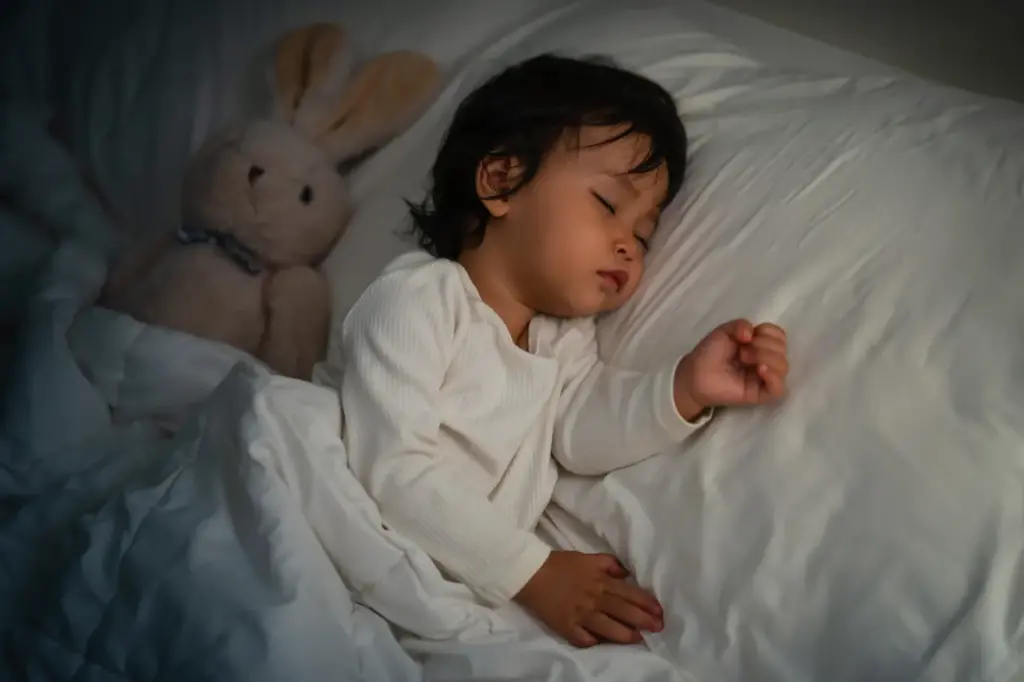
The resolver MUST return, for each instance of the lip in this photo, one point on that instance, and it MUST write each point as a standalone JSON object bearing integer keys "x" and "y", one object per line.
{"x": 617, "y": 278}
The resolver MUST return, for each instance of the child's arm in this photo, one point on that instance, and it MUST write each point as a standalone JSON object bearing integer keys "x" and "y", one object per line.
{"x": 398, "y": 340}
{"x": 610, "y": 417}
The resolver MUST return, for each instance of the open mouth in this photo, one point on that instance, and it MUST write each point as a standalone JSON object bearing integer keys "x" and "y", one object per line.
{"x": 617, "y": 279}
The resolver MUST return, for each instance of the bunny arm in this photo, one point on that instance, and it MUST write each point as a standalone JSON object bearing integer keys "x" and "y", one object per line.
{"x": 297, "y": 308}
{"x": 196, "y": 290}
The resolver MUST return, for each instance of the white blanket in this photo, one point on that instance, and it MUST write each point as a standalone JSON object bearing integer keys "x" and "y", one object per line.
{"x": 241, "y": 548}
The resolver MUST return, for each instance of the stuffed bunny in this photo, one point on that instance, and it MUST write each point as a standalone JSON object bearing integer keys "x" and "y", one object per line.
{"x": 263, "y": 204}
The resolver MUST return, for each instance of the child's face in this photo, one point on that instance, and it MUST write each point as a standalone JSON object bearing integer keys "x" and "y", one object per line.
{"x": 577, "y": 233}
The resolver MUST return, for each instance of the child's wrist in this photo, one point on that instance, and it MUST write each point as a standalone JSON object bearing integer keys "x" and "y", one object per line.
{"x": 689, "y": 407}
{"x": 534, "y": 586}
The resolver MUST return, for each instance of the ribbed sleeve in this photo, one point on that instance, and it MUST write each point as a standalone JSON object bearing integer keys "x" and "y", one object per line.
{"x": 610, "y": 417}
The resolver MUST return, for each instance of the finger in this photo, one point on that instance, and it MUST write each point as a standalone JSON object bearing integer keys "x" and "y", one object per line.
{"x": 772, "y": 330}
{"x": 771, "y": 343}
{"x": 751, "y": 356}
{"x": 629, "y": 614}
{"x": 755, "y": 357}
{"x": 581, "y": 638}
{"x": 754, "y": 390}
{"x": 609, "y": 629}
{"x": 774, "y": 385}
{"x": 636, "y": 596}
{"x": 612, "y": 566}
{"x": 740, "y": 331}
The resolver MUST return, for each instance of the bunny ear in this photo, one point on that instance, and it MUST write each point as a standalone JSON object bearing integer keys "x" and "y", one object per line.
{"x": 384, "y": 97}
{"x": 311, "y": 66}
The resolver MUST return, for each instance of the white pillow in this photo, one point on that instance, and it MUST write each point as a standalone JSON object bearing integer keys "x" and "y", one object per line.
{"x": 870, "y": 527}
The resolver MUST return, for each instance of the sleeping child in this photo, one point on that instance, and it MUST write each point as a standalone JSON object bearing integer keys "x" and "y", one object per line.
{"x": 471, "y": 365}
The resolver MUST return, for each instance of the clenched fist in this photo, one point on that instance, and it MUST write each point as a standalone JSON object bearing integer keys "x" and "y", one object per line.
{"x": 736, "y": 364}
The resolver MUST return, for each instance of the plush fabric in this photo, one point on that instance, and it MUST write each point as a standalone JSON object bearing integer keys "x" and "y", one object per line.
{"x": 263, "y": 202}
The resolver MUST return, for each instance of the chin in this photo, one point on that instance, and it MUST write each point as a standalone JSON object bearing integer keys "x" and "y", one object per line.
{"x": 586, "y": 306}
{"x": 568, "y": 310}
{"x": 609, "y": 308}
{"x": 612, "y": 303}
{"x": 603, "y": 307}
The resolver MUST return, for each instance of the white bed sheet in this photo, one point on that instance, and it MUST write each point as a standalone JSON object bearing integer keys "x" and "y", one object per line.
{"x": 900, "y": 436}
{"x": 871, "y": 527}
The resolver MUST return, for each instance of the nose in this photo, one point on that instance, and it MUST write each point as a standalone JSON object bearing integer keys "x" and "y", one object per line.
{"x": 626, "y": 248}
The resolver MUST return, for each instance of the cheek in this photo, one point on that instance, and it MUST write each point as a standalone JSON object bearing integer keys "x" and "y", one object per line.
{"x": 581, "y": 250}
{"x": 570, "y": 236}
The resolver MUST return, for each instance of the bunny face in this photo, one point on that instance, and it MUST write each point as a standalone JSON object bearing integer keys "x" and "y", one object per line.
{"x": 272, "y": 188}
{"x": 274, "y": 185}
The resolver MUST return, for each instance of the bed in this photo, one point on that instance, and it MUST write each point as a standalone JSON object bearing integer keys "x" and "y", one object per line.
{"x": 170, "y": 510}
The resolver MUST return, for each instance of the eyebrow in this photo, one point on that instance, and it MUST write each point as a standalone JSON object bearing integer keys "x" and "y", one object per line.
{"x": 623, "y": 182}
{"x": 654, "y": 214}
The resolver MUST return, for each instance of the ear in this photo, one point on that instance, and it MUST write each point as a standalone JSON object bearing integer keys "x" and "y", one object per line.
{"x": 384, "y": 97}
{"x": 312, "y": 65}
{"x": 495, "y": 177}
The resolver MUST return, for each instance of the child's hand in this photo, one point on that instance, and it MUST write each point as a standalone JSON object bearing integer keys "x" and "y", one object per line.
{"x": 585, "y": 599}
{"x": 736, "y": 364}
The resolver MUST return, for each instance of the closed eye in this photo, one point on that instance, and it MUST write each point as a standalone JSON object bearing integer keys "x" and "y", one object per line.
{"x": 604, "y": 202}
{"x": 644, "y": 243}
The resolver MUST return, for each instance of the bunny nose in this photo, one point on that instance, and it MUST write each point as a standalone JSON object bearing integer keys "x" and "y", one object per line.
{"x": 307, "y": 194}
{"x": 254, "y": 173}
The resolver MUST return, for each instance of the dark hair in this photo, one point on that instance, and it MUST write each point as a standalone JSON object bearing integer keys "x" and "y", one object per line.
{"x": 522, "y": 113}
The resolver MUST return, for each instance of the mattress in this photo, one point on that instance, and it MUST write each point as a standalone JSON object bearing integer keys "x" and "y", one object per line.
{"x": 869, "y": 527}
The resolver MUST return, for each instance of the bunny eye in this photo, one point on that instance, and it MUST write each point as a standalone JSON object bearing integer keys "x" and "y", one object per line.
{"x": 306, "y": 196}
{"x": 254, "y": 173}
